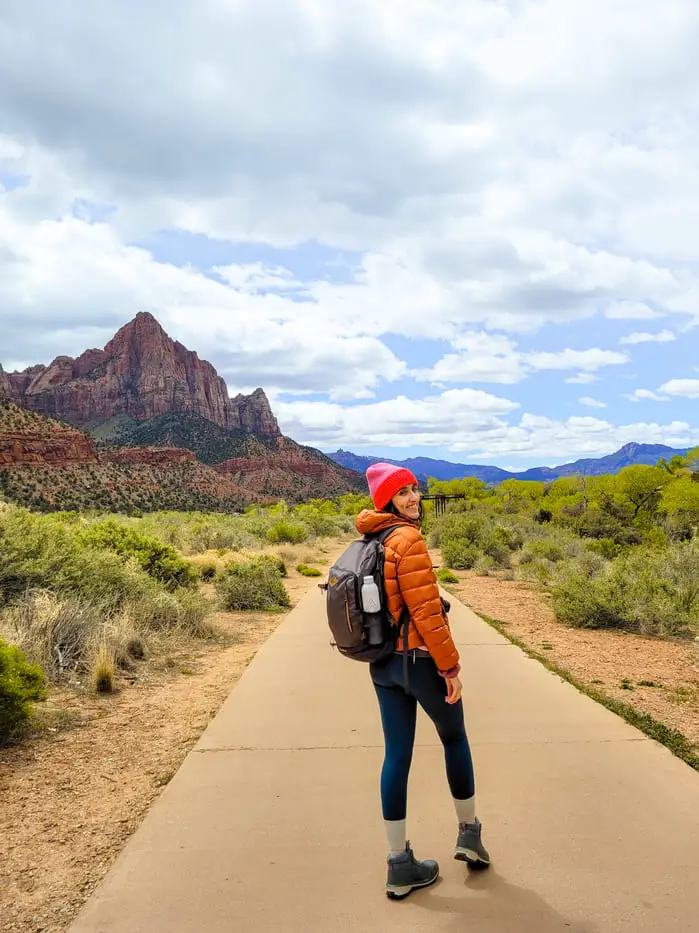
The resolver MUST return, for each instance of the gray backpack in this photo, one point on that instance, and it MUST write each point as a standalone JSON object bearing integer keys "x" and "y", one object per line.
{"x": 361, "y": 625}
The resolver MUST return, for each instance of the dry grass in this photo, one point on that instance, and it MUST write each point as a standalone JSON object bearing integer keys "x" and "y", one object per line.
{"x": 103, "y": 670}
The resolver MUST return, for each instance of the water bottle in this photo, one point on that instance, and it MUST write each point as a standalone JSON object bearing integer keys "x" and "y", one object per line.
{"x": 371, "y": 604}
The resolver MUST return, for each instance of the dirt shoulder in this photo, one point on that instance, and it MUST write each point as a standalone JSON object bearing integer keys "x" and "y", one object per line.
{"x": 75, "y": 791}
{"x": 654, "y": 676}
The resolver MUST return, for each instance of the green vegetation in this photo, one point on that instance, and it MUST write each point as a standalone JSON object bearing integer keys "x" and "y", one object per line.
{"x": 614, "y": 551}
{"x": 159, "y": 560}
{"x": 210, "y": 442}
{"x": 251, "y": 584}
{"x": 121, "y": 488}
{"x": 307, "y": 571}
{"x": 198, "y": 532}
{"x": 20, "y": 684}
{"x": 69, "y": 585}
{"x": 446, "y": 576}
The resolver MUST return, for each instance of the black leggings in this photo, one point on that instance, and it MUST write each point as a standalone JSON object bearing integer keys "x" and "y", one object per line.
{"x": 399, "y": 714}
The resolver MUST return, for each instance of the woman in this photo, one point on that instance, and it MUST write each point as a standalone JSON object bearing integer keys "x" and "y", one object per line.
{"x": 433, "y": 681}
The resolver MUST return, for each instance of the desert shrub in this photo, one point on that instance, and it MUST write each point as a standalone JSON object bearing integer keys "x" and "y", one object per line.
{"x": 485, "y": 564}
{"x": 307, "y": 571}
{"x": 160, "y": 561}
{"x": 207, "y": 570}
{"x": 288, "y": 532}
{"x": 647, "y": 590}
{"x": 458, "y": 527}
{"x": 497, "y": 552}
{"x": 444, "y": 575}
{"x": 459, "y": 554}
{"x": 21, "y": 683}
{"x": 535, "y": 569}
{"x": 273, "y": 560}
{"x": 595, "y": 523}
{"x": 321, "y": 521}
{"x": 542, "y": 548}
{"x": 251, "y": 585}
{"x": 605, "y": 547}
{"x": 55, "y": 631}
{"x": 192, "y": 614}
{"x": 41, "y": 552}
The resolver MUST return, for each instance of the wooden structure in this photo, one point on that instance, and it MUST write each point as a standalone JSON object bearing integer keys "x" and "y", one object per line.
{"x": 440, "y": 501}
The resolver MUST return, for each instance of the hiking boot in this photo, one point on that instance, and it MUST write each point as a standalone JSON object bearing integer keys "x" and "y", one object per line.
{"x": 405, "y": 872}
{"x": 469, "y": 847}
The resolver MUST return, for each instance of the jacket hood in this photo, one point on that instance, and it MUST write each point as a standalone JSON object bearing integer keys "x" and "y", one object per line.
{"x": 369, "y": 521}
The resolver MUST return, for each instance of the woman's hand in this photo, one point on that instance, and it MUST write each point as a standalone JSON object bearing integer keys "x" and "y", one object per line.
{"x": 453, "y": 689}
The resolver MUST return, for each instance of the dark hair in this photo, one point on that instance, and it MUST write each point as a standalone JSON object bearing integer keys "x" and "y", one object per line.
{"x": 391, "y": 509}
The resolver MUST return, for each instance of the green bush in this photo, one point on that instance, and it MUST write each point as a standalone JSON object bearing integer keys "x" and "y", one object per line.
{"x": 287, "y": 532}
{"x": 444, "y": 575}
{"x": 21, "y": 683}
{"x": 207, "y": 570}
{"x": 459, "y": 554}
{"x": 605, "y": 547}
{"x": 544, "y": 549}
{"x": 647, "y": 590}
{"x": 251, "y": 585}
{"x": 160, "y": 561}
{"x": 307, "y": 571}
{"x": 274, "y": 561}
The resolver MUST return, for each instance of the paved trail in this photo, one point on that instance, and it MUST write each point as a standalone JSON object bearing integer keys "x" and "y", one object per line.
{"x": 273, "y": 821}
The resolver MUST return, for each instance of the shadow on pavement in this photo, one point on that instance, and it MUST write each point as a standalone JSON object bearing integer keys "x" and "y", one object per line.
{"x": 496, "y": 906}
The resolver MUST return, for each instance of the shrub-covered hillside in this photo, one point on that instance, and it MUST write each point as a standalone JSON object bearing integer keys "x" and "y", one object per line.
{"x": 614, "y": 551}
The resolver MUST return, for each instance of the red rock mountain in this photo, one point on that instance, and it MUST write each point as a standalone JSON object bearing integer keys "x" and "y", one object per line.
{"x": 141, "y": 373}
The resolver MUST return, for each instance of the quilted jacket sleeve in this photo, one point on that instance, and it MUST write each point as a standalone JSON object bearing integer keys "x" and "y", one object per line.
{"x": 418, "y": 587}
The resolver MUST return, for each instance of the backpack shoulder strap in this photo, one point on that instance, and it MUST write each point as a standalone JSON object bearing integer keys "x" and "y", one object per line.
{"x": 404, "y": 620}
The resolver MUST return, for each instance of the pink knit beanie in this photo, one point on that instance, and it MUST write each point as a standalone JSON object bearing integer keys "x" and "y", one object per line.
{"x": 385, "y": 480}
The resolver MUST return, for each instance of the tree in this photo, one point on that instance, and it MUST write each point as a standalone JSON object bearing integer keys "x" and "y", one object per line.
{"x": 640, "y": 487}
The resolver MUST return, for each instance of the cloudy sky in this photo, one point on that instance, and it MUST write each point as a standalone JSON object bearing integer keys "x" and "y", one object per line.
{"x": 464, "y": 230}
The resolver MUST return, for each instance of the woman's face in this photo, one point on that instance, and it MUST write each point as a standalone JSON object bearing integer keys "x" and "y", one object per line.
{"x": 407, "y": 501}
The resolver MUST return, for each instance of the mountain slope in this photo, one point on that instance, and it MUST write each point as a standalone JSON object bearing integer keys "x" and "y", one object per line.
{"x": 141, "y": 373}
{"x": 424, "y": 467}
{"x": 210, "y": 442}
{"x": 46, "y": 465}
{"x": 145, "y": 389}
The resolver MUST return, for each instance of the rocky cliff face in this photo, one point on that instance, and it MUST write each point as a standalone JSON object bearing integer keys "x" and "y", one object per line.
{"x": 152, "y": 456}
{"x": 141, "y": 373}
{"x": 61, "y": 449}
{"x": 28, "y": 439}
{"x": 293, "y": 472}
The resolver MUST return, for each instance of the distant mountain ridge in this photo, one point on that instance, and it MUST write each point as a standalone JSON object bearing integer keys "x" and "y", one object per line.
{"x": 631, "y": 454}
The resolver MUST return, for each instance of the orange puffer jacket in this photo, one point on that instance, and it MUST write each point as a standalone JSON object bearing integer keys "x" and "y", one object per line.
{"x": 410, "y": 581}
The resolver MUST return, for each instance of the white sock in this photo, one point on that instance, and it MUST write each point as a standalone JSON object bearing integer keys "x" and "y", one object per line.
{"x": 465, "y": 809}
{"x": 396, "y": 835}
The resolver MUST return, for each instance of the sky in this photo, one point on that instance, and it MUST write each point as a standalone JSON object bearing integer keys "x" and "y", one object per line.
{"x": 458, "y": 230}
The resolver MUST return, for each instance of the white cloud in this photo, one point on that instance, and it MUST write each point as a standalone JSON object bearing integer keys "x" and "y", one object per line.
{"x": 663, "y": 336}
{"x": 494, "y": 165}
{"x": 472, "y": 427}
{"x": 646, "y": 395}
{"x": 591, "y": 402}
{"x": 586, "y": 360}
{"x": 683, "y": 388}
{"x": 632, "y": 310}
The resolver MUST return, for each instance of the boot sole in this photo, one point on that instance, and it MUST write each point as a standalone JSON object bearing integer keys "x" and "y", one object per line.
{"x": 473, "y": 859}
{"x": 397, "y": 892}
